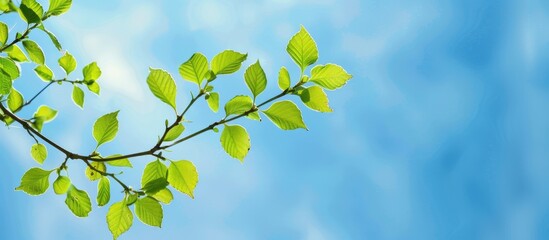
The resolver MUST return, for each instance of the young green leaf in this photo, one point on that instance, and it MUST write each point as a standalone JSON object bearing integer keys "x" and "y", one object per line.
{"x": 182, "y": 175}
{"x": 227, "y": 62}
{"x": 255, "y": 79}
{"x": 61, "y": 185}
{"x": 67, "y": 62}
{"x": 195, "y": 69}
{"x": 105, "y": 128}
{"x": 52, "y": 36}
{"x": 3, "y": 33}
{"x": 285, "y": 115}
{"x": 5, "y": 83}
{"x": 44, "y": 73}
{"x": 45, "y": 114}
{"x": 15, "y": 100}
{"x": 174, "y": 133}
{"x": 39, "y": 152}
{"x": 94, "y": 175}
{"x": 154, "y": 170}
{"x": 213, "y": 101}
{"x": 15, "y": 53}
{"x": 329, "y": 76}
{"x": 154, "y": 186}
{"x": 315, "y": 98}
{"x": 9, "y": 68}
{"x": 91, "y": 72}
{"x": 31, "y": 11}
{"x": 165, "y": 196}
{"x": 119, "y": 218}
{"x": 302, "y": 48}
{"x": 283, "y": 79}
{"x": 35, "y": 52}
{"x": 103, "y": 191}
{"x": 78, "y": 201}
{"x": 58, "y": 7}
{"x": 131, "y": 198}
{"x": 162, "y": 86}
{"x": 235, "y": 141}
{"x": 35, "y": 181}
{"x": 238, "y": 105}
{"x": 94, "y": 88}
{"x": 78, "y": 96}
{"x": 124, "y": 162}
{"x": 149, "y": 211}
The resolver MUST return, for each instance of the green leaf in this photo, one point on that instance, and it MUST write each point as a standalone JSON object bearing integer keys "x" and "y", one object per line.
{"x": 67, "y": 62}
{"x": 182, "y": 175}
{"x": 52, "y": 36}
{"x": 285, "y": 115}
{"x": 5, "y": 83}
{"x": 15, "y": 53}
{"x": 61, "y": 185}
{"x": 105, "y": 128}
{"x": 35, "y": 181}
{"x": 131, "y": 198}
{"x": 119, "y": 218}
{"x": 149, "y": 211}
{"x": 315, "y": 98}
{"x": 255, "y": 79}
{"x": 35, "y": 52}
{"x": 39, "y": 152}
{"x": 45, "y": 114}
{"x": 195, "y": 69}
{"x": 154, "y": 170}
{"x": 154, "y": 186}
{"x": 302, "y": 48}
{"x": 213, "y": 101}
{"x": 329, "y": 76}
{"x": 103, "y": 191}
{"x": 235, "y": 141}
{"x": 283, "y": 79}
{"x": 162, "y": 86}
{"x": 174, "y": 133}
{"x": 10, "y": 68}
{"x": 124, "y": 162}
{"x": 165, "y": 196}
{"x": 94, "y": 175}
{"x": 227, "y": 62}
{"x": 78, "y": 202}
{"x": 91, "y": 72}
{"x": 31, "y": 11}
{"x": 78, "y": 96}
{"x": 44, "y": 73}
{"x": 3, "y": 33}
{"x": 15, "y": 100}
{"x": 94, "y": 88}
{"x": 238, "y": 105}
{"x": 58, "y": 7}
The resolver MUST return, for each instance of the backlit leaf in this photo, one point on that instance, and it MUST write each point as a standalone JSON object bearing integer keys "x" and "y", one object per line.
{"x": 103, "y": 191}
{"x": 39, "y": 152}
{"x": 302, "y": 48}
{"x": 194, "y": 69}
{"x": 329, "y": 76}
{"x": 61, "y": 185}
{"x": 67, "y": 62}
{"x": 35, "y": 181}
{"x": 315, "y": 98}
{"x": 78, "y": 201}
{"x": 105, "y": 128}
{"x": 149, "y": 211}
{"x": 119, "y": 218}
{"x": 235, "y": 141}
{"x": 283, "y": 79}
{"x": 285, "y": 115}
{"x": 162, "y": 86}
{"x": 227, "y": 62}
{"x": 78, "y": 96}
{"x": 35, "y": 52}
{"x": 182, "y": 175}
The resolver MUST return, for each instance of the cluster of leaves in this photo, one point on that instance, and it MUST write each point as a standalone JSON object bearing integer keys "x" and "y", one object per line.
{"x": 163, "y": 173}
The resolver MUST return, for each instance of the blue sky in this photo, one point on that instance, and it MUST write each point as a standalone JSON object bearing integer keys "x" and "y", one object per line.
{"x": 441, "y": 134}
